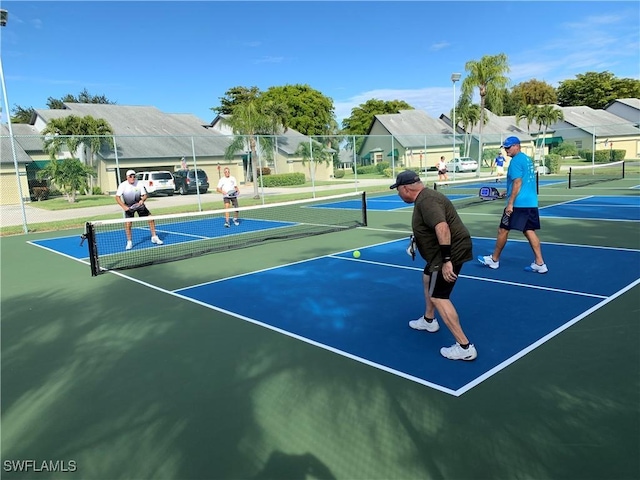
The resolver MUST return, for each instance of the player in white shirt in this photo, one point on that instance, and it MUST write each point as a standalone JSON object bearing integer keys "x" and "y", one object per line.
{"x": 228, "y": 187}
{"x": 131, "y": 197}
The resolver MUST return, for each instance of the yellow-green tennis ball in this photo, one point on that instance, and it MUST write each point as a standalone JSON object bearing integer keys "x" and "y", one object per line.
{"x": 356, "y": 254}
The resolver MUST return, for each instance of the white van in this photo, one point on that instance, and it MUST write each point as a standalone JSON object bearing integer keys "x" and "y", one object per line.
{"x": 157, "y": 182}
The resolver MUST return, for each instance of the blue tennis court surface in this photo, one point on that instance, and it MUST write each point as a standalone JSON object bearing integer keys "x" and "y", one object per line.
{"x": 179, "y": 232}
{"x": 361, "y": 308}
{"x": 621, "y": 208}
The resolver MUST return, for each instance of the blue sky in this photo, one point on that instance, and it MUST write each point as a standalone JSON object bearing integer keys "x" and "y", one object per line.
{"x": 181, "y": 57}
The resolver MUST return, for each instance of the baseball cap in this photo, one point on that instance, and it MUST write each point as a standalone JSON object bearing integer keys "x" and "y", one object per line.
{"x": 509, "y": 141}
{"x": 405, "y": 178}
{"x": 131, "y": 172}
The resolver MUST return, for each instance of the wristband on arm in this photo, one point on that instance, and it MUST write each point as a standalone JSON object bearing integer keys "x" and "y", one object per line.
{"x": 445, "y": 251}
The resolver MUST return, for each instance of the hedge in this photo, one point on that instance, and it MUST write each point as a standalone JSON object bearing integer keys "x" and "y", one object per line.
{"x": 283, "y": 180}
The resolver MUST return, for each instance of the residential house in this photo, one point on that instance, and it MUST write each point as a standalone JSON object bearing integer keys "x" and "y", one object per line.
{"x": 627, "y": 108}
{"x": 595, "y": 129}
{"x": 408, "y": 139}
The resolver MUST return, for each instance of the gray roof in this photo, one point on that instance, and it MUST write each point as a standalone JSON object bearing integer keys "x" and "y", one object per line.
{"x": 498, "y": 128}
{"x": 6, "y": 148}
{"x": 409, "y": 127}
{"x": 28, "y": 137}
{"x": 631, "y": 102}
{"x": 146, "y": 132}
{"x": 590, "y": 120}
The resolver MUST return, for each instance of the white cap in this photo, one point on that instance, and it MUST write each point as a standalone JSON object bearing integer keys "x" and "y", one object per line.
{"x": 130, "y": 172}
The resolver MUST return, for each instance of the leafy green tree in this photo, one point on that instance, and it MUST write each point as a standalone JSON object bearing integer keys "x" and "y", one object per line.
{"x": 359, "y": 122}
{"x": 83, "y": 97}
{"x": 308, "y": 110}
{"x": 22, "y": 115}
{"x": 596, "y": 89}
{"x": 488, "y": 75}
{"x": 69, "y": 175}
{"x": 534, "y": 92}
{"x": 234, "y": 96}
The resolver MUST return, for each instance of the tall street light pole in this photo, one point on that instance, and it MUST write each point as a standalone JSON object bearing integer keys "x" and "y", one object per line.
{"x": 454, "y": 78}
{"x": 4, "y": 15}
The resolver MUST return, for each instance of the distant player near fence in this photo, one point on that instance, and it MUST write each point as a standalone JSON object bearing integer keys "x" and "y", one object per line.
{"x": 228, "y": 187}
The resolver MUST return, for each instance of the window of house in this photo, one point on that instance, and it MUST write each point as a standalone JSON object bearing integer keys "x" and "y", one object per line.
{"x": 578, "y": 144}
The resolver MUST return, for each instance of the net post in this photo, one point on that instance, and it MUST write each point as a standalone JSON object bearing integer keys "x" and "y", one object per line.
{"x": 569, "y": 177}
{"x": 537, "y": 183}
{"x": 623, "y": 165}
{"x": 93, "y": 249}
{"x": 364, "y": 208}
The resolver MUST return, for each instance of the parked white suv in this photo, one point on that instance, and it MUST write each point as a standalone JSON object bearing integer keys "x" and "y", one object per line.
{"x": 157, "y": 182}
{"x": 463, "y": 164}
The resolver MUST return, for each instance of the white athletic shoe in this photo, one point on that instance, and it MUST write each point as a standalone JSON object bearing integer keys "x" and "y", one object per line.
{"x": 534, "y": 267}
{"x": 156, "y": 240}
{"x": 236, "y": 222}
{"x": 129, "y": 245}
{"x": 422, "y": 324}
{"x": 489, "y": 261}
{"x": 456, "y": 352}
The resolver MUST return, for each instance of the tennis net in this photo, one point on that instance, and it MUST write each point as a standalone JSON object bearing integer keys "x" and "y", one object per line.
{"x": 192, "y": 234}
{"x": 472, "y": 191}
{"x": 590, "y": 174}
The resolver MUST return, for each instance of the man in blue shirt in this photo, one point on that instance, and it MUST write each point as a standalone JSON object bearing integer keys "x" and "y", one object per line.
{"x": 499, "y": 164}
{"x": 521, "y": 212}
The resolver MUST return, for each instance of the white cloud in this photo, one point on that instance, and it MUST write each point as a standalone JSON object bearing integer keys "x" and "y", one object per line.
{"x": 439, "y": 46}
{"x": 269, "y": 59}
{"x": 435, "y": 101}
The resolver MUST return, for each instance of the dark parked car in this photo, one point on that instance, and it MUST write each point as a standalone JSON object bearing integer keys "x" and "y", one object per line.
{"x": 185, "y": 181}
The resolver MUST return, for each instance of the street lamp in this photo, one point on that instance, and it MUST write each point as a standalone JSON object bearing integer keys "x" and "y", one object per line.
{"x": 454, "y": 78}
{"x": 4, "y": 15}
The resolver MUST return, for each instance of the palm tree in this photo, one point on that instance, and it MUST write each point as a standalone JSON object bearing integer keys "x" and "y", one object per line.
{"x": 74, "y": 132}
{"x": 489, "y": 76}
{"x": 545, "y": 116}
{"x": 314, "y": 152}
{"x": 249, "y": 120}
{"x": 528, "y": 112}
{"x": 469, "y": 115}
{"x": 69, "y": 174}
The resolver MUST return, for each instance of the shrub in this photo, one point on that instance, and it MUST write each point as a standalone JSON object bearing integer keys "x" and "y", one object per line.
{"x": 388, "y": 173}
{"x": 96, "y": 191}
{"x": 40, "y": 193}
{"x": 283, "y": 180}
{"x": 553, "y": 162}
{"x": 339, "y": 173}
{"x": 382, "y": 166}
{"x": 264, "y": 171}
{"x": 363, "y": 170}
{"x": 565, "y": 150}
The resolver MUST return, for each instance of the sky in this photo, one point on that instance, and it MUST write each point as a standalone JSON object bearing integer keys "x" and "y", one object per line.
{"x": 181, "y": 57}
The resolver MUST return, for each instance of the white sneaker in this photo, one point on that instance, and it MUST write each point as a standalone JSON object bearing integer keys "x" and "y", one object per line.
{"x": 129, "y": 245}
{"x": 488, "y": 261}
{"x": 534, "y": 267}
{"x": 236, "y": 222}
{"x": 422, "y": 324}
{"x": 456, "y": 352}
{"x": 156, "y": 240}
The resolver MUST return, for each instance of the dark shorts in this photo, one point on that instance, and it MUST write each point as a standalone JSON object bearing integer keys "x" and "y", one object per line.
{"x": 142, "y": 211}
{"x": 521, "y": 219}
{"x": 231, "y": 200}
{"x": 442, "y": 172}
{"x": 438, "y": 286}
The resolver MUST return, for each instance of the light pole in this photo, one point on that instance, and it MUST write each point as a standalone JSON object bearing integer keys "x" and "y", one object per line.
{"x": 4, "y": 15}
{"x": 454, "y": 78}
